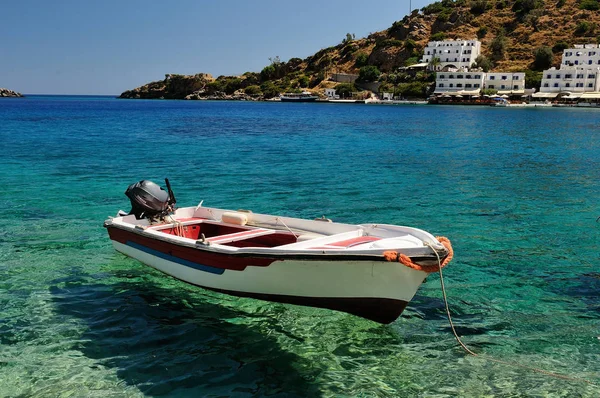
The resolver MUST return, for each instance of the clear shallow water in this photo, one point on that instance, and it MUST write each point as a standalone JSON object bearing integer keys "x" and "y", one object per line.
{"x": 516, "y": 190}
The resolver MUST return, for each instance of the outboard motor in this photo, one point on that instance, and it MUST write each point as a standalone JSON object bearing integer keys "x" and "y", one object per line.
{"x": 149, "y": 200}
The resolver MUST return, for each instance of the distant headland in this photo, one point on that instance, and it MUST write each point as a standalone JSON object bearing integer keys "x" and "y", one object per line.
{"x": 4, "y": 92}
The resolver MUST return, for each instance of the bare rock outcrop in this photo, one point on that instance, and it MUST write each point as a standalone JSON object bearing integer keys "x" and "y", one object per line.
{"x": 4, "y": 92}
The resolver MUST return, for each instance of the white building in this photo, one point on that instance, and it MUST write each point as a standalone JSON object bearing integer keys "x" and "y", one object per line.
{"x": 454, "y": 54}
{"x": 578, "y": 76}
{"x": 571, "y": 80}
{"x": 581, "y": 55}
{"x": 509, "y": 83}
{"x": 464, "y": 83}
{"x": 330, "y": 93}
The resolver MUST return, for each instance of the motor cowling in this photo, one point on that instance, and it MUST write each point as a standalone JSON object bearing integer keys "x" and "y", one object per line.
{"x": 148, "y": 200}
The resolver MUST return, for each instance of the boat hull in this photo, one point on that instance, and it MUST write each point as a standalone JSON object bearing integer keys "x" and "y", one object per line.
{"x": 375, "y": 290}
{"x": 311, "y": 99}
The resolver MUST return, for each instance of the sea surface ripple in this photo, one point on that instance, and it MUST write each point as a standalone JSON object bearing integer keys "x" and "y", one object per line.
{"x": 516, "y": 190}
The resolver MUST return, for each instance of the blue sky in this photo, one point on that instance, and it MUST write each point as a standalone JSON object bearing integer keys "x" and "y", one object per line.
{"x": 107, "y": 47}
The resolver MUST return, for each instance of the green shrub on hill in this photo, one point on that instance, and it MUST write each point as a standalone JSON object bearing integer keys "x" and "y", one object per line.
{"x": 253, "y": 91}
{"x": 543, "y": 57}
{"x": 433, "y": 8}
{"x": 479, "y": 6}
{"x": 269, "y": 89}
{"x": 412, "y": 89}
{"x": 560, "y": 46}
{"x": 533, "y": 79}
{"x": 591, "y": 5}
{"x": 362, "y": 59}
{"x": 585, "y": 28}
{"x": 439, "y": 36}
{"x": 345, "y": 90}
{"x": 498, "y": 47}
{"x": 481, "y": 32}
{"x": 368, "y": 74}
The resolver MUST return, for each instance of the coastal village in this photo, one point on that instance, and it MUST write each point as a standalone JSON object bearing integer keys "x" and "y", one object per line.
{"x": 460, "y": 81}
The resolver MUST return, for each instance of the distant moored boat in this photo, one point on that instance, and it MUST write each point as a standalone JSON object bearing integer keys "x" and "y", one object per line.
{"x": 304, "y": 96}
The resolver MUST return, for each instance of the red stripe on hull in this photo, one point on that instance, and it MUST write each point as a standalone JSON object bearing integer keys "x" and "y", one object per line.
{"x": 199, "y": 256}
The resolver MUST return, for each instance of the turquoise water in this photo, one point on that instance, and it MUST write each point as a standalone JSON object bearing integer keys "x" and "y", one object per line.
{"x": 516, "y": 190}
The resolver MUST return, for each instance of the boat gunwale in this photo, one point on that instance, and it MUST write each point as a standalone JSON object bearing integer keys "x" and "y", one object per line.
{"x": 304, "y": 254}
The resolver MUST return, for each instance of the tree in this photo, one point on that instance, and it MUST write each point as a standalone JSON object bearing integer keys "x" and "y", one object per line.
{"x": 591, "y": 5}
{"x": 362, "y": 59}
{"x": 269, "y": 89}
{"x": 533, "y": 79}
{"x": 349, "y": 38}
{"x": 560, "y": 46}
{"x": 267, "y": 73}
{"x": 434, "y": 64}
{"x": 483, "y": 62}
{"x": 368, "y": 74}
{"x": 478, "y": 6}
{"x": 253, "y": 91}
{"x": 345, "y": 90}
{"x": 481, "y": 32}
{"x": 543, "y": 58}
{"x": 498, "y": 46}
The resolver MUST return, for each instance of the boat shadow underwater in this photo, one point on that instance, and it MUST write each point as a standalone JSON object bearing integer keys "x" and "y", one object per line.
{"x": 163, "y": 343}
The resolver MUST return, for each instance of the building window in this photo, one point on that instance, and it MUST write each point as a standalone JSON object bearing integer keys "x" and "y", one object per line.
{"x": 502, "y": 87}
{"x": 567, "y": 84}
{"x": 476, "y": 85}
{"x": 459, "y": 76}
{"x": 590, "y": 85}
{"x": 504, "y": 77}
{"x": 515, "y": 77}
{"x": 477, "y": 76}
{"x": 441, "y": 85}
{"x": 576, "y": 62}
{"x": 441, "y": 76}
{"x": 590, "y": 62}
{"x": 558, "y": 76}
{"x": 468, "y": 85}
{"x": 516, "y": 87}
{"x": 468, "y": 76}
{"x": 579, "y": 76}
{"x": 568, "y": 76}
{"x": 579, "y": 85}
{"x": 591, "y": 76}
{"x": 555, "y": 84}
{"x": 459, "y": 85}
{"x": 491, "y": 86}
{"x": 451, "y": 77}
{"x": 548, "y": 76}
{"x": 545, "y": 84}
{"x": 451, "y": 85}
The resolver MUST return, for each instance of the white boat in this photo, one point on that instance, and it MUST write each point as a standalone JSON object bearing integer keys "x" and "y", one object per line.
{"x": 369, "y": 270}
{"x": 498, "y": 101}
{"x": 304, "y": 96}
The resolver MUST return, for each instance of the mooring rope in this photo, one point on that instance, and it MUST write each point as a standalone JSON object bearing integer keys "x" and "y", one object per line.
{"x": 178, "y": 228}
{"x": 468, "y": 350}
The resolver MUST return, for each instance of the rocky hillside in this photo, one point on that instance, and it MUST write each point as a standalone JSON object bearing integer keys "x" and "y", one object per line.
{"x": 4, "y": 92}
{"x": 516, "y": 35}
